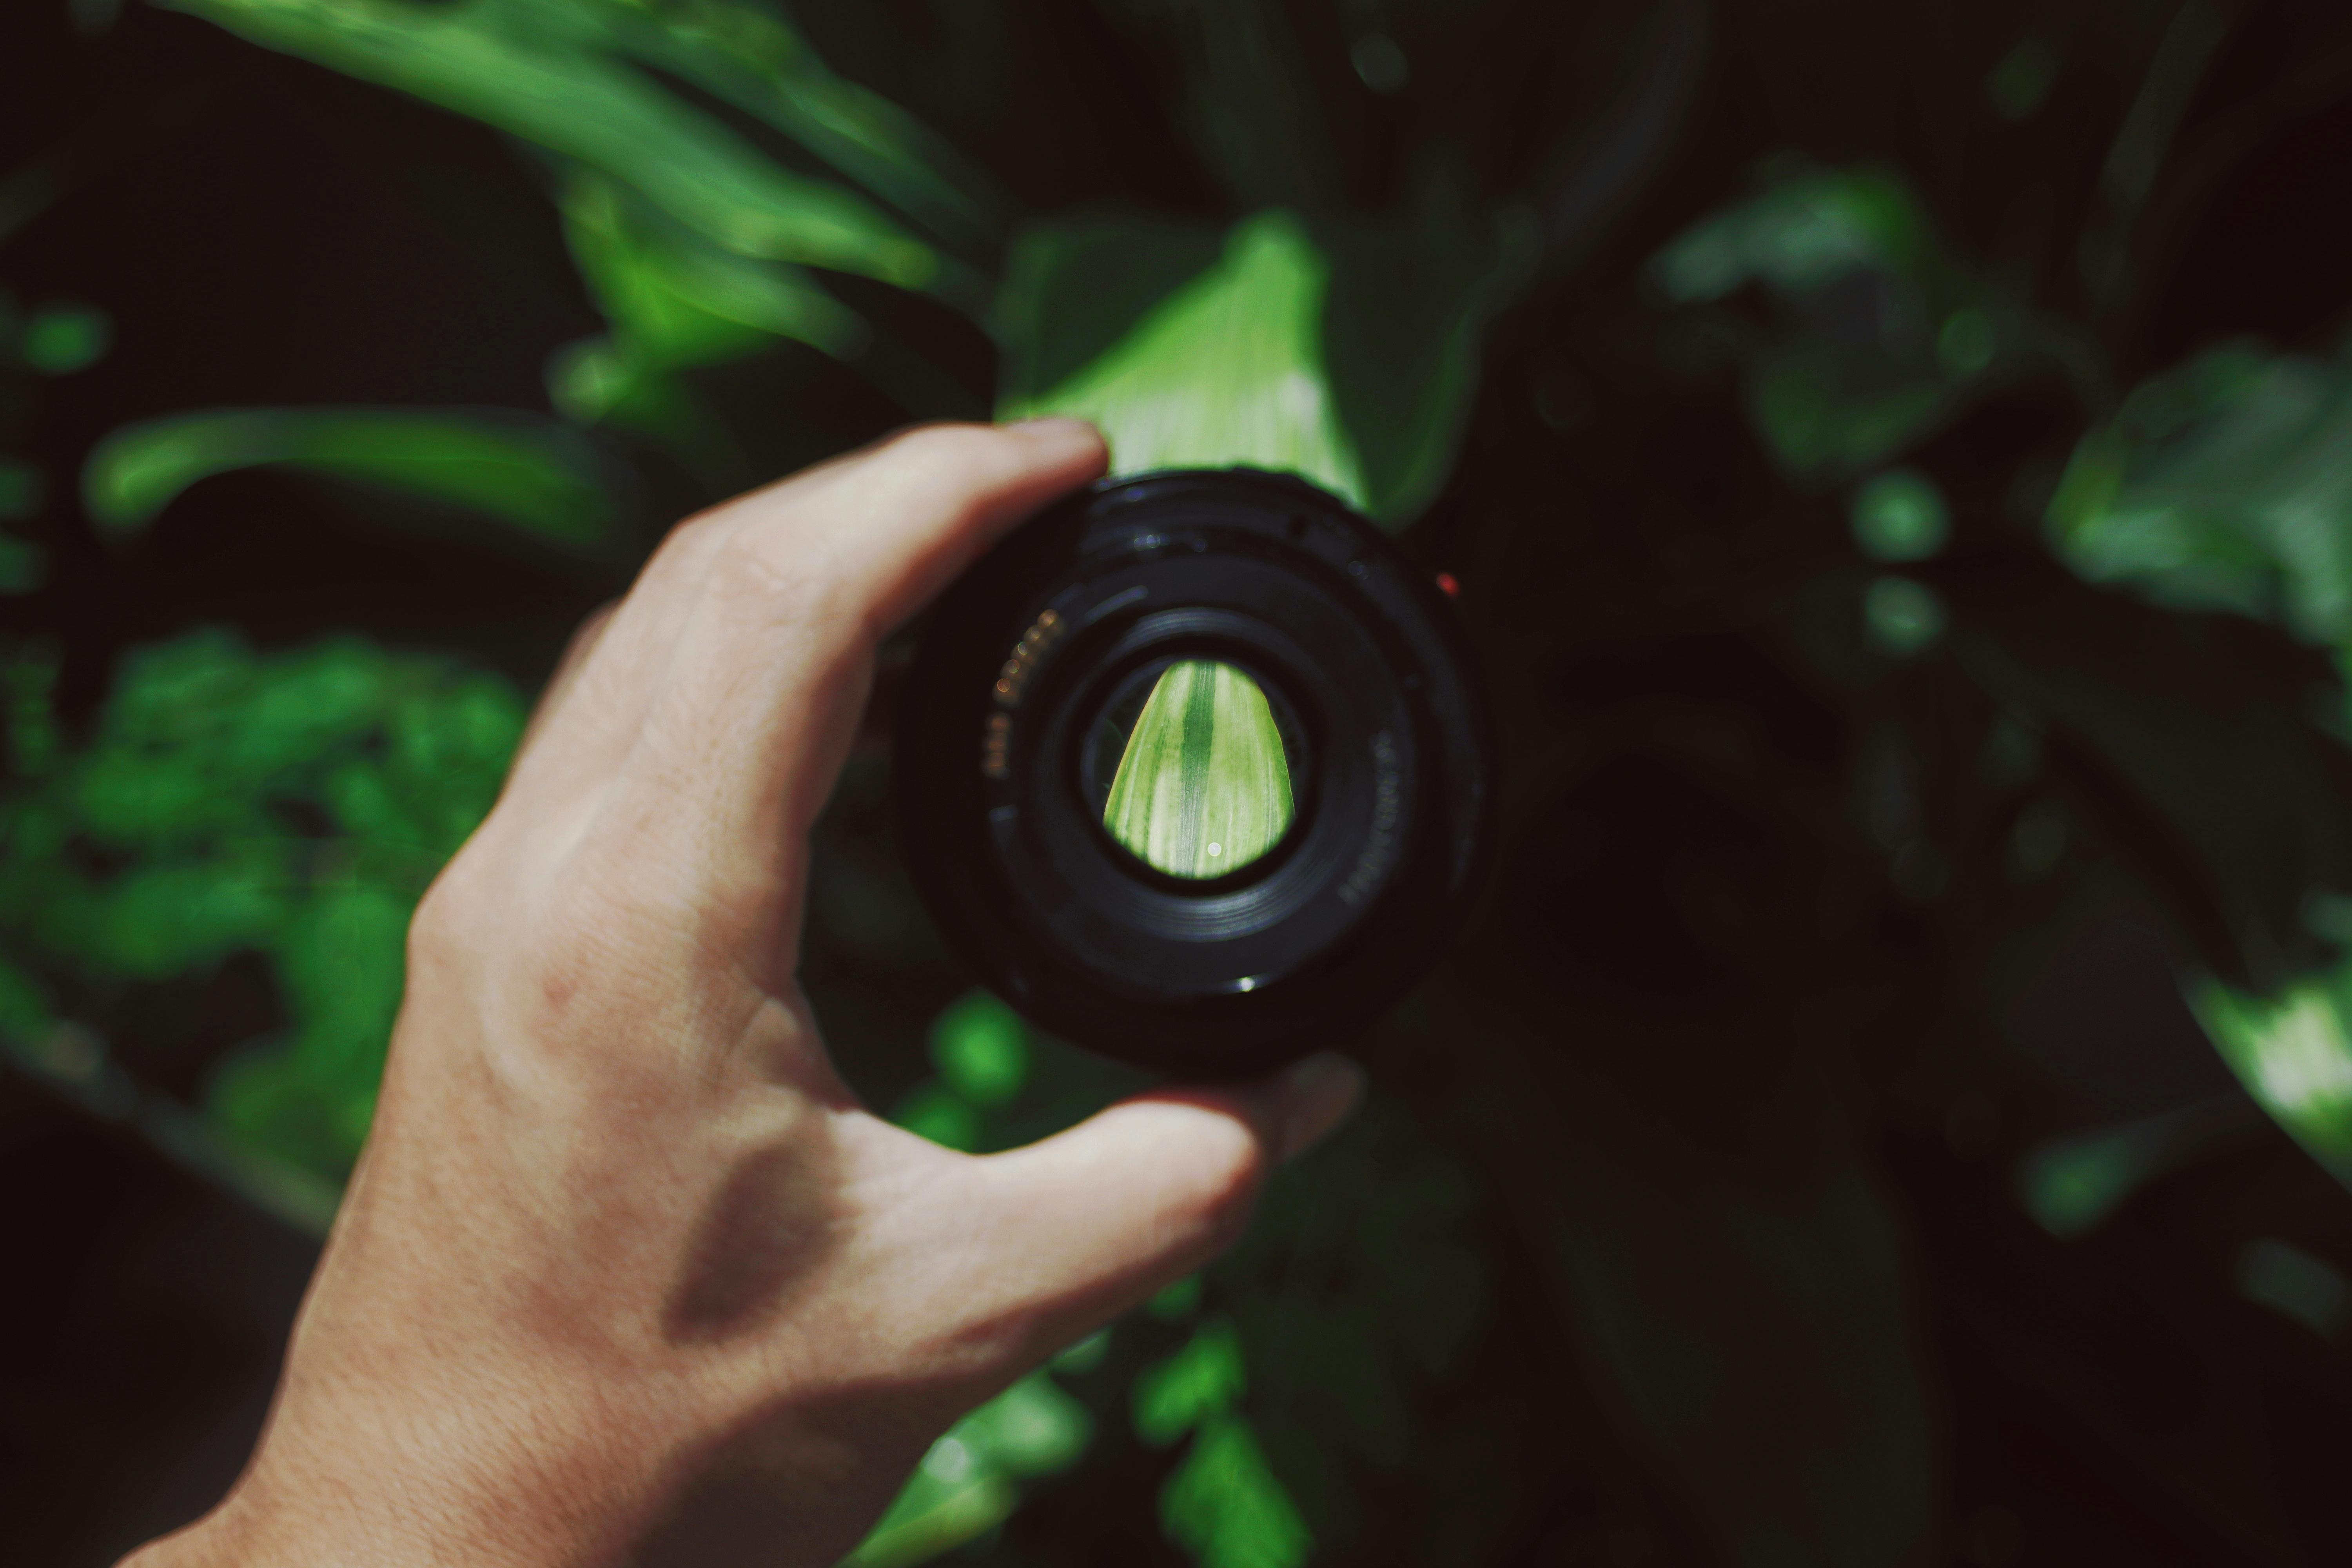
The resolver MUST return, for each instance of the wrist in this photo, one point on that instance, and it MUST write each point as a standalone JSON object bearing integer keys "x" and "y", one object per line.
{"x": 388, "y": 1515}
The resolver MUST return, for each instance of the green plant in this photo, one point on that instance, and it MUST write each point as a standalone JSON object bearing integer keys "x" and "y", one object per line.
{"x": 1264, "y": 344}
{"x": 1346, "y": 355}
{"x": 294, "y": 805}
{"x": 1360, "y": 1286}
{"x": 1876, "y": 582}
{"x": 52, "y": 340}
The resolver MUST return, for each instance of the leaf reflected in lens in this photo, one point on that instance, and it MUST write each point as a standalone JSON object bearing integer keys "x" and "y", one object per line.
{"x": 1204, "y": 787}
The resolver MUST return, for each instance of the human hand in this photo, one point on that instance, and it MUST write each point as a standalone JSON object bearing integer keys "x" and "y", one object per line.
{"x": 625, "y": 1274}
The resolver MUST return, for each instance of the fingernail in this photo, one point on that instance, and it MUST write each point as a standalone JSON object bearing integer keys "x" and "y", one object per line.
{"x": 1317, "y": 1095}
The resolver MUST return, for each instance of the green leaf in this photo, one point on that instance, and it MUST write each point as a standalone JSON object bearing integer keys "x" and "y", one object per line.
{"x": 534, "y": 475}
{"x": 1875, "y": 334}
{"x": 2215, "y": 755}
{"x": 1203, "y": 785}
{"x": 2224, "y": 484}
{"x": 308, "y": 1098}
{"x": 162, "y": 920}
{"x": 1203, "y": 1379}
{"x": 1901, "y": 516}
{"x": 297, "y": 708}
{"x": 62, "y": 339}
{"x": 602, "y": 380}
{"x": 678, "y": 300}
{"x": 341, "y": 963}
{"x": 527, "y": 72}
{"x": 2290, "y": 1281}
{"x": 1408, "y": 308}
{"x": 171, "y": 769}
{"x": 448, "y": 746}
{"x": 1032, "y": 1429}
{"x": 948, "y": 1501}
{"x": 1176, "y": 1302}
{"x": 1821, "y": 407}
{"x": 964, "y": 1487}
{"x": 26, "y": 1016}
{"x": 982, "y": 1048}
{"x": 2293, "y": 1056}
{"x": 2192, "y": 41}
{"x": 747, "y": 56}
{"x": 1353, "y": 1290}
{"x": 1903, "y": 615}
{"x": 260, "y": 1100}
{"x": 1075, "y": 286}
{"x": 1354, "y": 369}
{"x": 1226, "y": 1508}
{"x": 29, "y": 680}
{"x": 1799, "y": 236}
{"x": 292, "y": 805}
{"x": 2072, "y": 1184}
{"x": 1227, "y": 369}
{"x": 1084, "y": 1356}
{"x": 2071, "y": 1188}
{"x": 1968, "y": 343}
{"x": 937, "y": 1112}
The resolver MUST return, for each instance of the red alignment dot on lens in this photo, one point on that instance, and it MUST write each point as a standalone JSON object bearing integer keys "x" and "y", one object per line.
{"x": 1448, "y": 586}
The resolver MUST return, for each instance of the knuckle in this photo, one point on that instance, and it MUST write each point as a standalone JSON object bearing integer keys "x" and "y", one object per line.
{"x": 778, "y": 578}
{"x": 687, "y": 540}
{"x": 590, "y": 631}
{"x": 696, "y": 551}
{"x": 772, "y": 562}
{"x": 442, "y": 930}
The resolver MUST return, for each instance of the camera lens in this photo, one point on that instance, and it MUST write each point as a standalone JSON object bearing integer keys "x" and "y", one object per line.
{"x": 1190, "y": 768}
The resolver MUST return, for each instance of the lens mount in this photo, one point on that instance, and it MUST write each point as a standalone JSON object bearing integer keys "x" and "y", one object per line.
{"x": 1030, "y": 670}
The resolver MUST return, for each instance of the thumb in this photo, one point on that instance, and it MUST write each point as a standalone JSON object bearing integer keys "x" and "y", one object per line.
{"x": 1138, "y": 1196}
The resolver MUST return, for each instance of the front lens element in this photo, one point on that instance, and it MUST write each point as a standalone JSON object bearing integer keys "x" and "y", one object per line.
{"x": 1203, "y": 783}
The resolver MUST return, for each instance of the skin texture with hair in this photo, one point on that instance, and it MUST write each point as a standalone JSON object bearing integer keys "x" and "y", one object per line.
{"x": 625, "y": 1273}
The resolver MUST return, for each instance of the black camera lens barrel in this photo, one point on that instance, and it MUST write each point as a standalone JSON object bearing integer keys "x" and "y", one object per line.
{"x": 1000, "y": 751}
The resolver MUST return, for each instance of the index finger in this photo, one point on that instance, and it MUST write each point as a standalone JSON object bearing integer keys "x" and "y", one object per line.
{"x": 773, "y": 616}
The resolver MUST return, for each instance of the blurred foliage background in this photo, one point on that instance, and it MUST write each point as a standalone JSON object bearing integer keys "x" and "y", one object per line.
{"x": 1897, "y": 461}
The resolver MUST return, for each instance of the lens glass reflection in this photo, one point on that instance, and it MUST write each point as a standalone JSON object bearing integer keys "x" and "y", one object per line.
{"x": 1202, "y": 786}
